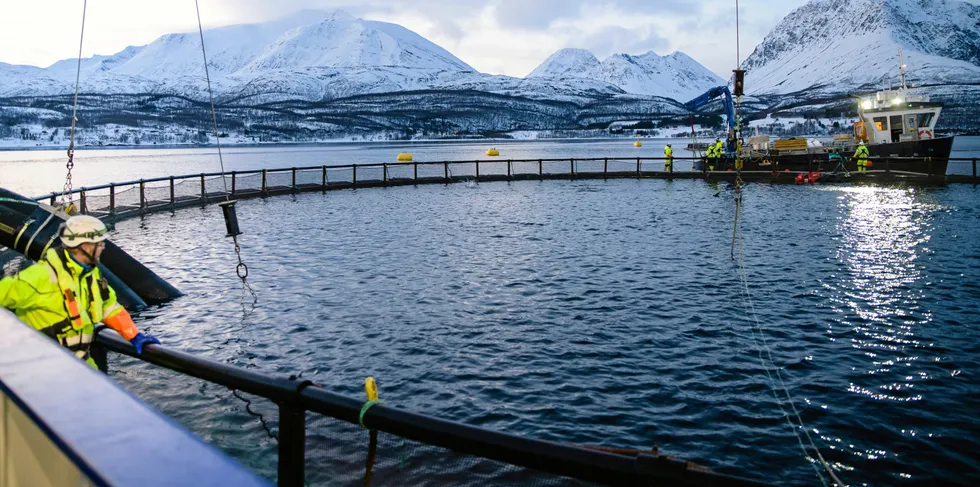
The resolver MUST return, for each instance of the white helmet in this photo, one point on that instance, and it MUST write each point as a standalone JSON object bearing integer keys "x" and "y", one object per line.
{"x": 81, "y": 229}
{"x": 861, "y": 143}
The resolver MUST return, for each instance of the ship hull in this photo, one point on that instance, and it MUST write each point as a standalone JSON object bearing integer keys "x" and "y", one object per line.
{"x": 931, "y": 154}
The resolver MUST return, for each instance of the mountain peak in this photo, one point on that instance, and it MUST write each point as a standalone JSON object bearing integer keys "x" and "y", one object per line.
{"x": 844, "y": 45}
{"x": 675, "y": 76}
{"x": 564, "y": 63}
{"x": 340, "y": 16}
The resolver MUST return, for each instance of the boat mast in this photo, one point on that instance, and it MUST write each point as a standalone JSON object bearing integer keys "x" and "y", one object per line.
{"x": 901, "y": 69}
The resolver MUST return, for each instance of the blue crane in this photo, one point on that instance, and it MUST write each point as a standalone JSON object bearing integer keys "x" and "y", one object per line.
{"x": 699, "y": 102}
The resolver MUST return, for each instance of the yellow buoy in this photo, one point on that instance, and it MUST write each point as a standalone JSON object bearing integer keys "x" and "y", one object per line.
{"x": 638, "y": 144}
{"x": 493, "y": 152}
{"x": 404, "y": 157}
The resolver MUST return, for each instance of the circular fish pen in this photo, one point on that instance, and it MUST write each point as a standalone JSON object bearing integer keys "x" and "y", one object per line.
{"x": 598, "y": 313}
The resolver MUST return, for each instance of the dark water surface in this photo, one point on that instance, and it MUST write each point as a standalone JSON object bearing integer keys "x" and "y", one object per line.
{"x": 604, "y": 313}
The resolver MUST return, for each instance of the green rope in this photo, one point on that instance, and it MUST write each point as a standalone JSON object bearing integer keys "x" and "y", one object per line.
{"x": 365, "y": 408}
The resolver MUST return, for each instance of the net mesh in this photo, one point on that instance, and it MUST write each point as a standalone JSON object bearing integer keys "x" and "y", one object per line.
{"x": 215, "y": 187}
{"x": 401, "y": 171}
{"x": 530, "y": 168}
{"x": 187, "y": 189}
{"x": 340, "y": 175}
{"x": 432, "y": 171}
{"x": 493, "y": 168}
{"x": 337, "y": 453}
{"x": 622, "y": 165}
{"x": 157, "y": 194}
{"x": 127, "y": 199}
{"x": 278, "y": 180}
{"x": 589, "y": 167}
{"x": 462, "y": 169}
{"x": 365, "y": 174}
{"x": 248, "y": 182}
{"x": 309, "y": 177}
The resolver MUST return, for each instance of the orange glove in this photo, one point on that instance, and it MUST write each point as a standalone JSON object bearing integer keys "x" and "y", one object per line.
{"x": 123, "y": 324}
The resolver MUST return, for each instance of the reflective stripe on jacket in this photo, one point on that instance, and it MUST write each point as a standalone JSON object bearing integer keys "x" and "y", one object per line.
{"x": 861, "y": 152}
{"x": 59, "y": 298}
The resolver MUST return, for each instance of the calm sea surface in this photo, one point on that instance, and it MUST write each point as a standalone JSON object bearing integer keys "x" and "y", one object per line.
{"x": 589, "y": 312}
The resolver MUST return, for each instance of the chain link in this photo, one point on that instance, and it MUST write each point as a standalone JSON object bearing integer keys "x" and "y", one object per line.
{"x": 66, "y": 195}
{"x": 242, "y": 271}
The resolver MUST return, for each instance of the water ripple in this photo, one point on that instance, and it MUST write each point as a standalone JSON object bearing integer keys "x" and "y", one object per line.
{"x": 597, "y": 312}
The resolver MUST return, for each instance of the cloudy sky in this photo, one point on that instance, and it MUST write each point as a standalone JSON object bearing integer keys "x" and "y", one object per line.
{"x": 508, "y": 37}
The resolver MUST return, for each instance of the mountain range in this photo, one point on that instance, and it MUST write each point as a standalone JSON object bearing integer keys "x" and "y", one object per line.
{"x": 318, "y": 56}
{"x": 328, "y": 72}
{"x": 676, "y": 76}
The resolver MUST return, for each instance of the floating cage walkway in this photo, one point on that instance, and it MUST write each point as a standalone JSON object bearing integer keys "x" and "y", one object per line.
{"x": 132, "y": 198}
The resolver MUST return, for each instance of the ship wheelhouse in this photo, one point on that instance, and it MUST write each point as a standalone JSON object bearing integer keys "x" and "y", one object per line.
{"x": 893, "y": 116}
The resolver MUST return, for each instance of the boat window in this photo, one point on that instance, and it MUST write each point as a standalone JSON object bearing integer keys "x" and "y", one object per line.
{"x": 881, "y": 123}
{"x": 925, "y": 119}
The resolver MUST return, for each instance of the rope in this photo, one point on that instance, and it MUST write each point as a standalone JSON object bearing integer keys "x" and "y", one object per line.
{"x": 248, "y": 409}
{"x": 241, "y": 269}
{"x": 214, "y": 115}
{"x": 738, "y": 55}
{"x": 750, "y": 310}
{"x": 66, "y": 200}
{"x": 364, "y": 409}
{"x": 738, "y": 210}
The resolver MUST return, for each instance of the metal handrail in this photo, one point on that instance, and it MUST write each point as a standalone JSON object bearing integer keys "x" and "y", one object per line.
{"x": 294, "y": 397}
{"x": 384, "y": 165}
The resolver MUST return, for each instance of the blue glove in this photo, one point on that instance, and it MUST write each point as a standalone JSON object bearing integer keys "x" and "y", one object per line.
{"x": 142, "y": 339}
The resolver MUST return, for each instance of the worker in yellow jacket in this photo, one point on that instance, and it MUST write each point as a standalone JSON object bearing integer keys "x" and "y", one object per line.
{"x": 668, "y": 159}
{"x": 861, "y": 154}
{"x": 64, "y": 295}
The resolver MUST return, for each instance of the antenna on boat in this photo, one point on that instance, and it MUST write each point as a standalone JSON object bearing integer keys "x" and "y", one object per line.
{"x": 901, "y": 69}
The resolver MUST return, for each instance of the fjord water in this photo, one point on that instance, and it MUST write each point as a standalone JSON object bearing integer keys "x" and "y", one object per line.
{"x": 600, "y": 312}
{"x": 591, "y": 312}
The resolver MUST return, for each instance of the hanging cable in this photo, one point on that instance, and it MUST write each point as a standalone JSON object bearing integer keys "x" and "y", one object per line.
{"x": 738, "y": 55}
{"x": 750, "y": 305}
{"x": 737, "y": 85}
{"x": 214, "y": 115}
{"x": 759, "y": 337}
{"x": 66, "y": 199}
{"x": 228, "y": 206}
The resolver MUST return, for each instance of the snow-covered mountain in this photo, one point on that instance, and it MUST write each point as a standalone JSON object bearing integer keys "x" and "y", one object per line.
{"x": 567, "y": 63}
{"x": 364, "y": 54}
{"x": 675, "y": 76}
{"x": 843, "y": 45}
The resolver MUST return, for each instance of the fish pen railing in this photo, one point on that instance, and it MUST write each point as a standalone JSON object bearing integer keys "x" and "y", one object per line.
{"x": 530, "y": 461}
{"x": 131, "y": 198}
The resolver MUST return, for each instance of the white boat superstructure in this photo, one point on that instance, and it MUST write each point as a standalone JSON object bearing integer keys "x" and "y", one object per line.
{"x": 895, "y": 115}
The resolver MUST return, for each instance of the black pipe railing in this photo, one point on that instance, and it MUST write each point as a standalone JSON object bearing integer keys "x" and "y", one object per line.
{"x": 97, "y": 201}
{"x": 295, "y": 398}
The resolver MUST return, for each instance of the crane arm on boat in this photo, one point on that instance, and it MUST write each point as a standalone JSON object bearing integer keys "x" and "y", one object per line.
{"x": 699, "y": 102}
